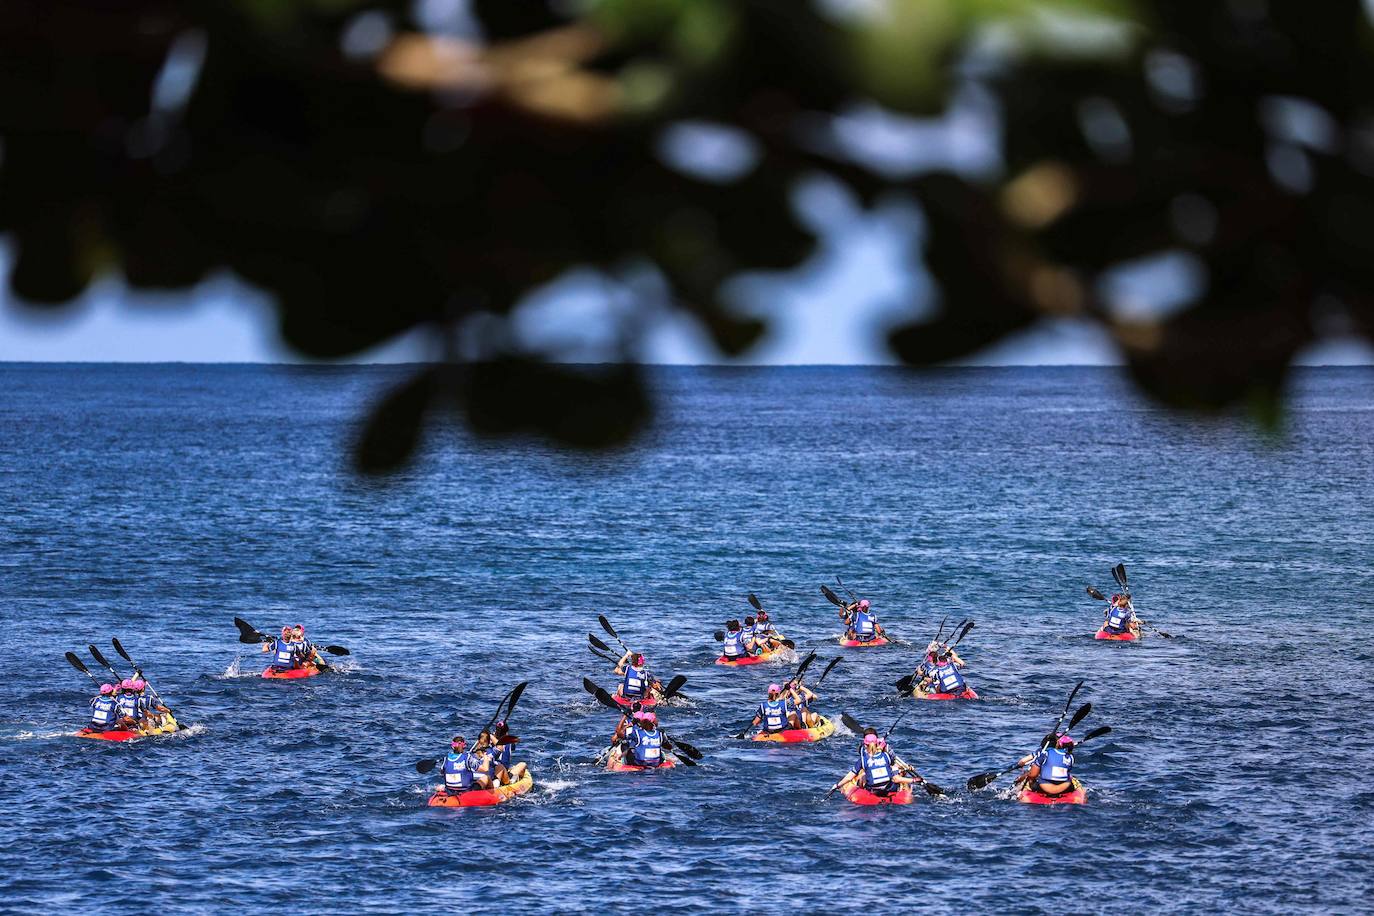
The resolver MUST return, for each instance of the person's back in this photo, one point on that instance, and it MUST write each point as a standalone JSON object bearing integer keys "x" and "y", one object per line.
{"x": 104, "y": 708}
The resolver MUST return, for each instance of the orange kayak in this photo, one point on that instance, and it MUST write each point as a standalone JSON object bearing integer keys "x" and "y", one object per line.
{"x": 616, "y": 766}
{"x": 861, "y": 796}
{"x": 475, "y": 798}
{"x": 282, "y": 674}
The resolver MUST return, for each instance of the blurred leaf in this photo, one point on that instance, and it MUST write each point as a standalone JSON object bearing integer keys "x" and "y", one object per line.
{"x": 393, "y": 430}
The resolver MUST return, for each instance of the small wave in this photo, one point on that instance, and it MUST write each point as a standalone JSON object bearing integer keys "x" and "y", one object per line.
{"x": 29, "y": 736}
{"x": 189, "y": 731}
{"x": 551, "y": 786}
{"x": 235, "y": 670}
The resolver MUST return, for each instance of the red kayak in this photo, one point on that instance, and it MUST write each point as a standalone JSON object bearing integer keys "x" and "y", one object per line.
{"x": 477, "y": 798}
{"x": 616, "y": 766}
{"x": 1075, "y": 796}
{"x": 855, "y": 643}
{"x": 1128, "y": 636}
{"x": 627, "y": 702}
{"x": 968, "y": 694}
{"x": 861, "y": 796}
{"x": 115, "y": 735}
{"x": 282, "y": 674}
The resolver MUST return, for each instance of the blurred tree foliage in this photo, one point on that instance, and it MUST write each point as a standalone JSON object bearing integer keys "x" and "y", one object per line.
{"x": 377, "y": 166}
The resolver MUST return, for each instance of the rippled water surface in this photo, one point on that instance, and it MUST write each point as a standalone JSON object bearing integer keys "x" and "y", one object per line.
{"x": 156, "y": 503}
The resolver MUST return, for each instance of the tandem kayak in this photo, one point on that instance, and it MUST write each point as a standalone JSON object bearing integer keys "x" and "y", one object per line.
{"x": 627, "y": 702}
{"x": 616, "y": 765}
{"x": 751, "y": 659}
{"x": 861, "y": 796}
{"x": 968, "y": 694}
{"x": 121, "y": 734}
{"x": 1075, "y": 796}
{"x": 856, "y": 643}
{"x": 1128, "y": 636}
{"x": 796, "y": 735}
{"x": 474, "y": 798}
{"x": 281, "y": 674}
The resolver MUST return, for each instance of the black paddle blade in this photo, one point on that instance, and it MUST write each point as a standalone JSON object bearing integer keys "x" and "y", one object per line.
{"x": 831, "y": 597}
{"x": 851, "y": 723}
{"x": 77, "y": 663}
{"x": 685, "y": 760}
{"x": 719, "y": 635}
{"x": 114, "y": 641}
{"x": 605, "y": 698}
{"x": 514, "y": 698}
{"x": 904, "y": 684}
{"x": 967, "y": 627}
{"x": 598, "y": 643}
{"x": 787, "y": 643}
{"x": 1121, "y": 572}
{"x": 247, "y": 634}
{"x": 589, "y": 686}
{"x": 674, "y": 686}
{"x": 933, "y": 790}
{"x": 426, "y": 766}
{"x": 1097, "y": 733}
{"x": 1095, "y": 594}
{"x": 828, "y": 668}
{"x": 606, "y": 625}
{"x": 806, "y": 663}
{"x": 95, "y": 654}
{"x": 753, "y": 599}
{"x": 335, "y": 650}
{"x": 1080, "y": 715}
{"x": 940, "y": 632}
{"x": 981, "y": 780}
{"x": 686, "y": 748}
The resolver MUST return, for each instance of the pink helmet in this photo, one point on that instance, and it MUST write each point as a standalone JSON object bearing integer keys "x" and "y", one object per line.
{"x": 126, "y": 684}
{"x": 863, "y": 605}
{"x": 107, "y": 688}
{"x": 871, "y": 740}
{"x": 301, "y": 627}
{"x": 1065, "y": 741}
{"x": 649, "y": 716}
{"x": 286, "y": 631}
{"x": 774, "y": 688}
{"x": 139, "y": 684}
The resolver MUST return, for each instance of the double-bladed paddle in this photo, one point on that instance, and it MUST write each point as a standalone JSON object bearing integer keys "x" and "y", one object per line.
{"x": 249, "y": 635}
{"x": 138, "y": 669}
{"x": 833, "y": 598}
{"x": 79, "y": 665}
{"x": 1094, "y": 593}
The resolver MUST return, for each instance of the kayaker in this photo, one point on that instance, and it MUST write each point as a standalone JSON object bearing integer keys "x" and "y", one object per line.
{"x": 126, "y": 701}
{"x": 764, "y": 631}
{"x": 304, "y": 647}
{"x": 104, "y": 709}
{"x": 503, "y": 754}
{"x": 943, "y": 676}
{"x": 876, "y": 769}
{"x": 636, "y": 682}
{"x": 801, "y": 697}
{"x": 1119, "y": 617}
{"x": 485, "y": 767}
{"x": 153, "y": 710}
{"x": 735, "y": 645}
{"x": 643, "y": 744}
{"x": 457, "y": 769}
{"x": 864, "y": 626}
{"x": 285, "y": 651}
{"x": 776, "y": 713}
{"x": 1050, "y": 768}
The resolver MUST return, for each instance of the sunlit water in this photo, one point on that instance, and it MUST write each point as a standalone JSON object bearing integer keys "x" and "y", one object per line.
{"x": 156, "y": 503}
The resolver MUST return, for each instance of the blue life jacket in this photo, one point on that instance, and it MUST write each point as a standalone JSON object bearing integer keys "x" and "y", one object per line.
{"x": 863, "y": 625}
{"x": 948, "y": 679}
{"x": 634, "y": 684}
{"x": 1118, "y": 619}
{"x": 103, "y": 710}
{"x": 877, "y": 769}
{"x": 128, "y": 706}
{"x": 774, "y": 714}
{"x": 283, "y": 653}
{"x": 1055, "y": 765}
{"x": 647, "y": 746}
{"x": 457, "y": 771}
{"x": 503, "y": 755}
{"x": 734, "y": 645}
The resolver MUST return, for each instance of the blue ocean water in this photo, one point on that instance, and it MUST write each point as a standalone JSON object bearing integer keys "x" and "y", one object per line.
{"x": 156, "y": 503}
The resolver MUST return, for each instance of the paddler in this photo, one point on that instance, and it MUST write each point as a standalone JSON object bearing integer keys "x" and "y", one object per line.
{"x": 104, "y": 709}
{"x": 735, "y": 645}
{"x": 863, "y": 626}
{"x": 285, "y": 651}
{"x": 153, "y": 710}
{"x": 643, "y": 744}
{"x": 801, "y": 697}
{"x": 515, "y": 771}
{"x": 1050, "y": 768}
{"x": 126, "y": 700}
{"x": 1119, "y": 617}
{"x": 943, "y": 675}
{"x": 636, "y": 682}
{"x": 457, "y": 768}
{"x": 776, "y": 713}
{"x": 486, "y": 755}
{"x": 877, "y": 768}
{"x": 304, "y": 647}
{"x": 764, "y": 632}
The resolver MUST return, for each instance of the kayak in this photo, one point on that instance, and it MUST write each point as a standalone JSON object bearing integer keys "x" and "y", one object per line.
{"x": 968, "y": 694}
{"x": 751, "y": 659}
{"x": 121, "y": 734}
{"x": 855, "y": 643}
{"x": 627, "y": 702}
{"x": 1119, "y": 637}
{"x": 794, "y": 735}
{"x": 1075, "y": 796}
{"x": 282, "y": 674}
{"x": 474, "y": 798}
{"x": 861, "y": 796}
{"x": 616, "y": 765}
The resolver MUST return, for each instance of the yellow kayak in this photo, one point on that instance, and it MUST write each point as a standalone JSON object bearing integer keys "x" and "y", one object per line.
{"x": 794, "y": 735}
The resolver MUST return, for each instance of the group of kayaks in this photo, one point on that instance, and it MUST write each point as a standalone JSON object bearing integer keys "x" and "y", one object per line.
{"x": 639, "y": 743}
